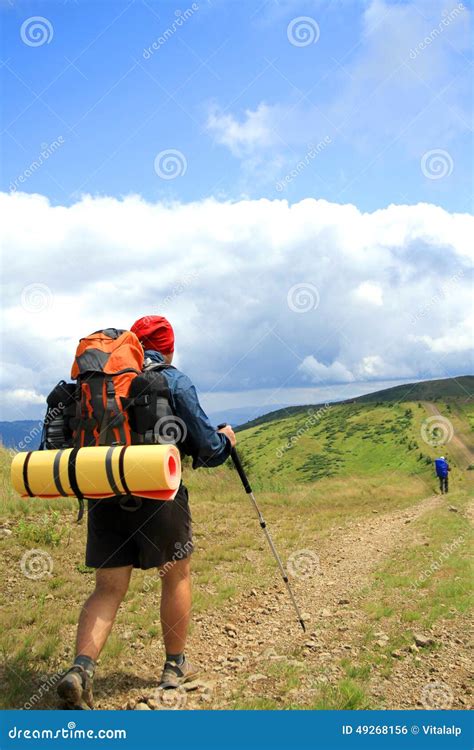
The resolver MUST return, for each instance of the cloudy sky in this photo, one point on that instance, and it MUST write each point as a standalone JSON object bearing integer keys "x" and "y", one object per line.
{"x": 288, "y": 182}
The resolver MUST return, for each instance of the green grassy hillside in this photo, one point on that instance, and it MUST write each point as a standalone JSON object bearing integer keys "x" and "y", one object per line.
{"x": 356, "y": 439}
{"x": 348, "y": 491}
{"x": 459, "y": 389}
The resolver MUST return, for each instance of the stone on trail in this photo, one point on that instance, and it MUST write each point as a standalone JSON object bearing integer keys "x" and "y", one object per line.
{"x": 200, "y": 685}
{"x": 256, "y": 677}
{"x": 142, "y": 707}
{"x": 422, "y": 640}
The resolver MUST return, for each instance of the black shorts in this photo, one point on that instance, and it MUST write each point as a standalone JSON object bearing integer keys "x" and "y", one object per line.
{"x": 147, "y": 536}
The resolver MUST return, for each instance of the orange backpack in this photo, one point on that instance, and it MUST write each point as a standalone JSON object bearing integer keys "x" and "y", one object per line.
{"x": 105, "y": 365}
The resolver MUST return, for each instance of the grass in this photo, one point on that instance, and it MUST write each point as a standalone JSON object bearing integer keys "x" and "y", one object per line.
{"x": 428, "y": 580}
{"x": 47, "y": 530}
{"x": 372, "y": 455}
{"x": 344, "y": 440}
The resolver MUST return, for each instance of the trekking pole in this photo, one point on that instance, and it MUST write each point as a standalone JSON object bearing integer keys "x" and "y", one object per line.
{"x": 243, "y": 476}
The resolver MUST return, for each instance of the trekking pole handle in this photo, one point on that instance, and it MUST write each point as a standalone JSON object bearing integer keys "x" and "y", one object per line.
{"x": 238, "y": 464}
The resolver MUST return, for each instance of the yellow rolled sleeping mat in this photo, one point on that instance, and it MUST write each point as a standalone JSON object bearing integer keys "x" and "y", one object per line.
{"x": 151, "y": 471}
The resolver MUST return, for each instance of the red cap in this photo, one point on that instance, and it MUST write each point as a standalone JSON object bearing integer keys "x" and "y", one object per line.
{"x": 155, "y": 333}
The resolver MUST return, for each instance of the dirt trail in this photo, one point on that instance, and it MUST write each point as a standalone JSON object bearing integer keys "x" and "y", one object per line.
{"x": 260, "y": 632}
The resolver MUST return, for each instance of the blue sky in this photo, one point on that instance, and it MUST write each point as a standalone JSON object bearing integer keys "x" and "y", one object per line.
{"x": 357, "y": 85}
{"x": 288, "y": 181}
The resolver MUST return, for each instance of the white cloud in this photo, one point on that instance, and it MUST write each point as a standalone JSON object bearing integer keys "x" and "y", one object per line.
{"x": 371, "y": 366}
{"x": 222, "y": 273}
{"x": 317, "y": 372}
{"x": 243, "y": 138}
{"x": 459, "y": 338}
{"x": 23, "y": 397}
{"x": 392, "y": 89}
{"x": 369, "y": 292}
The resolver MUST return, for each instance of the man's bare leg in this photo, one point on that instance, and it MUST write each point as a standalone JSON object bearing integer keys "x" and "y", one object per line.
{"x": 176, "y": 605}
{"x": 95, "y": 623}
{"x": 98, "y": 613}
{"x": 175, "y": 615}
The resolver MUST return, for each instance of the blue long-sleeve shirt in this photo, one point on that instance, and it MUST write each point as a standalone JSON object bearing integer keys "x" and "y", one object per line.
{"x": 206, "y": 446}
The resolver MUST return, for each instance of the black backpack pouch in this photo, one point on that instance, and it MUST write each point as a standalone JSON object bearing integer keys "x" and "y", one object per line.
{"x": 150, "y": 413}
{"x": 60, "y": 414}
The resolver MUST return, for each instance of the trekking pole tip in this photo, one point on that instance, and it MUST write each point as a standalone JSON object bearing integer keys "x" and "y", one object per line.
{"x": 303, "y": 626}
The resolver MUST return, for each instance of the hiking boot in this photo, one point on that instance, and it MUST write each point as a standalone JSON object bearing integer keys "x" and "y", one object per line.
{"x": 75, "y": 689}
{"x": 174, "y": 674}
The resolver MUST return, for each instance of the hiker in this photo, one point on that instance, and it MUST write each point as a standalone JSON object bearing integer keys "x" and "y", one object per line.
{"x": 442, "y": 469}
{"x": 153, "y": 534}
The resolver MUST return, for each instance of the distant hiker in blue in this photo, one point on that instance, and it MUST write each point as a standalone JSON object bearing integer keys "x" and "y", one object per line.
{"x": 442, "y": 468}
